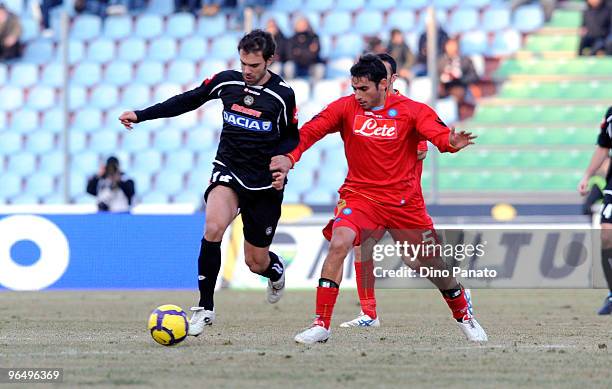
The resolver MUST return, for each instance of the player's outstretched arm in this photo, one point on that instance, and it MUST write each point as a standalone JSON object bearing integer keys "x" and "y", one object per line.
{"x": 460, "y": 140}
{"x": 128, "y": 118}
{"x": 599, "y": 156}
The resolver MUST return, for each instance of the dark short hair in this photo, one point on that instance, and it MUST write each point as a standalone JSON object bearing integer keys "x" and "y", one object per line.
{"x": 258, "y": 40}
{"x": 390, "y": 60}
{"x": 371, "y": 67}
{"x": 112, "y": 160}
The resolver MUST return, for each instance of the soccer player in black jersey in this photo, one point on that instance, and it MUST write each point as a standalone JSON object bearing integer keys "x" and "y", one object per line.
{"x": 259, "y": 121}
{"x": 602, "y": 151}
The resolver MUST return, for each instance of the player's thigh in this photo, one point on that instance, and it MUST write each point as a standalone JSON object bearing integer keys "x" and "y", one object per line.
{"x": 261, "y": 211}
{"x": 221, "y": 208}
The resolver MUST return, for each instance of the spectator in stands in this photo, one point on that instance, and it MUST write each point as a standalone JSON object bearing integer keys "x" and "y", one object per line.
{"x": 595, "y": 28}
{"x": 374, "y": 45}
{"x": 303, "y": 52}
{"x": 42, "y": 12}
{"x": 10, "y": 32}
{"x": 420, "y": 69}
{"x": 95, "y": 7}
{"x": 114, "y": 191}
{"x": 192, "y": 6}
{"x": 457, "y": 73}
{"x": 548, "y": 6}
{"x": 280, "y": 56}
{"x": 399, "y": 50}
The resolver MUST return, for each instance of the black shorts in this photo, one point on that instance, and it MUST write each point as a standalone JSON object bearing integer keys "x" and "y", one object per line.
{"x": 606, "y": 210}
{"x": 260, "y": 209}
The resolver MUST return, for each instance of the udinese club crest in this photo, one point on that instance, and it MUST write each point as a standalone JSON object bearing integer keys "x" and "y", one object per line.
{"x": 249, "y": 100}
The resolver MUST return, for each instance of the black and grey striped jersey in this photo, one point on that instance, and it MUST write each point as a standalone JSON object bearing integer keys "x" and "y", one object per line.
{"x": 258, "y": 122}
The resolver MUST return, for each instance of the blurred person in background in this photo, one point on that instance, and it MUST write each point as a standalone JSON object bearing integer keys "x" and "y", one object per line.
{"x": 595, "y": 28}
{"x": 457, "y": 73}
{"x": 10, "y": 32}
{"x": 303, "y": 52}
{"x": 280, "y": 56}
{"x": 113, "y": 190}
{"x": 192, "y": 6}
{"x": 420, "y": 69}
{"x": 399, "y": 50}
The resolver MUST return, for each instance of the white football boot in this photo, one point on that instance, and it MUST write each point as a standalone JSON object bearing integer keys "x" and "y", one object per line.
{"x": 362, "y": 320}
{"x": 472, "y": 330}
{"x": 276, "y": 288}
{"x": 200, "y": 319}
{"x": 314, "y": 334}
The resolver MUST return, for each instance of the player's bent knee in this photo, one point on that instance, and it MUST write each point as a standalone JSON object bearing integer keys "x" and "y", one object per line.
{"x": 214, "y": 231}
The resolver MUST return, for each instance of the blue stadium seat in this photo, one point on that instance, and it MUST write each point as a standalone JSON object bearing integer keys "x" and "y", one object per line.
{"x": 495, "y": 19}
{"x": 11, "y": 98}
{"x": 301, "y": 89}
{"x": 191, "y": 197}
{"x": 339, "y": 68}
{"x": 224, "y": 48}
{"x": 22, "y": 163}
{"x": 462, "y": 20}
{"x": 313, "y": 17}
{"x": 331, "y": 142}
{"x": 86, "y": 74}
{"x": 162, "y": 49}
{"x": 39, "y": 51}
{"x": 24, "y": 75}
{"x": 348, "y": 45}
{"x": 164, "y": 91}
{"x": 104, "y": 96}
{"x": 318, "y": 5}
{"x": 87, "y": 120}
{"x": 349, "y": 5}
{"x": 447, "y": 109}
{"x": 181, "y": 161}
{"x": 205, "y": 160}
{"x": 211, "y": 26}
{"x": 302, "y": 179}
{"x": 154, "y": 198}
{"x": 52, "y": 75}
{"x": 39, "y": 184}
{"x": 476, "y": 3}
{"x": 281, "y": 19}
{"x": 200, "y": 139}
{"x": 381, "y": 5}
{"x": 287, "y": 6}
{"x": 186, "y": 120}
{"x": 77, "y": 97}
{"x": 86, "y": 27}
{"x": 41, "y": 98}
{"x": 101, "y": 51}
{"x": 117, "y": 27}
{"x": 193, "y": 49}
{"x": 118, "y": 73}
{"x": 368, "y": 23}
{"x": 150, "y": 73}
{"x": 136, "y": 140}
{"x": 160, "y": 7}
{"x": 198, "y": 180}
{"x": 336, "y": 23}
{"x": 412, "y": 4}
{"x": 168, "y": 182}
{"x": 474, "y": 42}
{"x": 320, "y": 196}
{"x": 24, "y": 199}
{"x": 402, "y": 19}
{"x": 11, "y": 143}
{"x": 147, "y": 161}
{"x": 132, "y": 50}
{"x": 331, "y": 178}
{"x": 103, "y": 141}
{"x": 445, "y": 4}
{"x": 86, "y": 162}
{"x": 76, "y": 52}
{"x": 181, "y": 72}
{"x": 40, "y": 142}
{"x": 149, "y": 26}
{"x": 326, "y": 46}
{"x": 11, "y": 186}
{"x": 311, "y": 160}
{"x": 30, "y": 29}
{"x": 52, "y": 162}
{"x": 167, "y": 140}
{"x": 53, "y": 120}
{"x": 142, "y": 181}
{"x": 528, "y": 18}
{"x": 180, "y": 25}
{"x": 136, "y": 95}
{"x": 78, "y": 184}
{"x": 24, "y": 121}
{"x": 211, "y": 67}
{"x": 3, "y": 74}
{"x": 505, "y": 43}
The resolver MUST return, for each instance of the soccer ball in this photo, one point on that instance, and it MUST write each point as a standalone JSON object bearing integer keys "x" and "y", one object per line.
{"x": 168, "y": 325}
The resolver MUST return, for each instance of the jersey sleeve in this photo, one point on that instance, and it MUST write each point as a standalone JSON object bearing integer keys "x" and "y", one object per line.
{"x": 185, "y": 102}
{"x": 328, "y": 121}
{"x": 432, "y": 128}
{"x": 422, "y": 146}
{"x": 289, "y": 135}
{"x": 605, "y": 135}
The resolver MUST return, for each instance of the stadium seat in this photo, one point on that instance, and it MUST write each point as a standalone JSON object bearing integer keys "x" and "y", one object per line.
{"x": 181, "y": 72}
{"x": 149, "y": 26}
{"x": 473, "y": 42}
{"x": 505, "y": 43}
{"x": 180, "y": 160}
{"x": 132, "y": 50}
{"x": 30, "y": 29}
{"x": 40, "y": 142}
{"x": 445, "y": 4}
{"x": 52, "y": 75}
{"x": 349, "y": 5}
{"x": 167, "y": 140}
{"x": 154, "y": 198}
{"x": 205, "y": 159}
{"x": 52, "y": 162}
{"x": 77, "y": 97}
{"x": 136, "y": 140}
{"x": 164, "y": 91}
{"x": 117, "y": 27}
{"x": 336, "y": 23}
{"x": 39, "y": 185}
{"x": 118, "y": 73}
{"x": 142, "y": 181}
{"x": 160, "y": 7}
{"x": 300, "y": 180}
{"x": 528, "y": 18}
{"x": 196, "y": 198}
{"x": 86, "y": 27}
{"x": 24, "y": 121}
{"x": 87, "y": 120}
{"x": 85, "y": 162}
{"x": 11, "y": 143}
{"x": 200, "y": 139}
{"x": 78, "y": 141}
{"x": 24, "y": 75}
{"x": 180, "y": 25}
{"x": 22, "y": 163}
{"x": 287, "y": 6}
{"x": 76, "y": 52}
{"x": 11, "y": 186}
{"x": 147, "y": 161}
{"x": 420, "y": 89}
{"x": 475, "y": 3}
{"x": 41, "y": 98}
{"x": 338, "y": 68}
{"x": 211, "y": 26}
{"x": 320, "y": 196}
{"x": 53, "y": 120}
{"x": 24, "y": 199}
{"x": 101, "y": 51}
{"x": 104, "y": 97}
{"x": 78, "y": 184}
{"x": 39, "y": 51}
{"x": 348, "y": 45}
{"x": 86, "y": 74}
{"x": 318, "y": 5}
{"x": 136, "y": 95}
{"x": 331, "y": 179}
{"x": 168, "y": 182}
{"x": 150, "y": 73}
{"x": 381, "y": 5}
{"x": 162, "y": 49}
{"x": 193, "y": 49}
{"x": 224, "y": 48}
{"x": 211, "y": 67}
{"x": 11, "y": 98}
{"x": 402, "y": 19}
{"x": 462, "y": 20}
{"x": 301, "y": 89}
{"x": 327, "y": 90}
{"x": 495, "y": 19}
{"x": 281, "y": 19}
{"x": 103, "y": 141}
{"x": 412, "y": 4}
{"x": 198, "y": 180}
{"x": 368, "y": 23}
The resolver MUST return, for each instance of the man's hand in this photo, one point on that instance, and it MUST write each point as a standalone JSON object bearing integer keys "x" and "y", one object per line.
{"x": 128, "y": 118}
{"x": 460, "y": 140}
{"x": 583, "y": 185}
{"x": 279, "y": 166}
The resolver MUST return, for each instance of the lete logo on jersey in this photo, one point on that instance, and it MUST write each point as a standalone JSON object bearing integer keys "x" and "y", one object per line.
{"x": 375, "y": 128}
{"x": 246, "y": 123}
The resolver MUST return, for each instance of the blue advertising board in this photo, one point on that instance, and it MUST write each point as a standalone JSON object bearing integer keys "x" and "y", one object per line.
{"x": 99, "y": 251}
